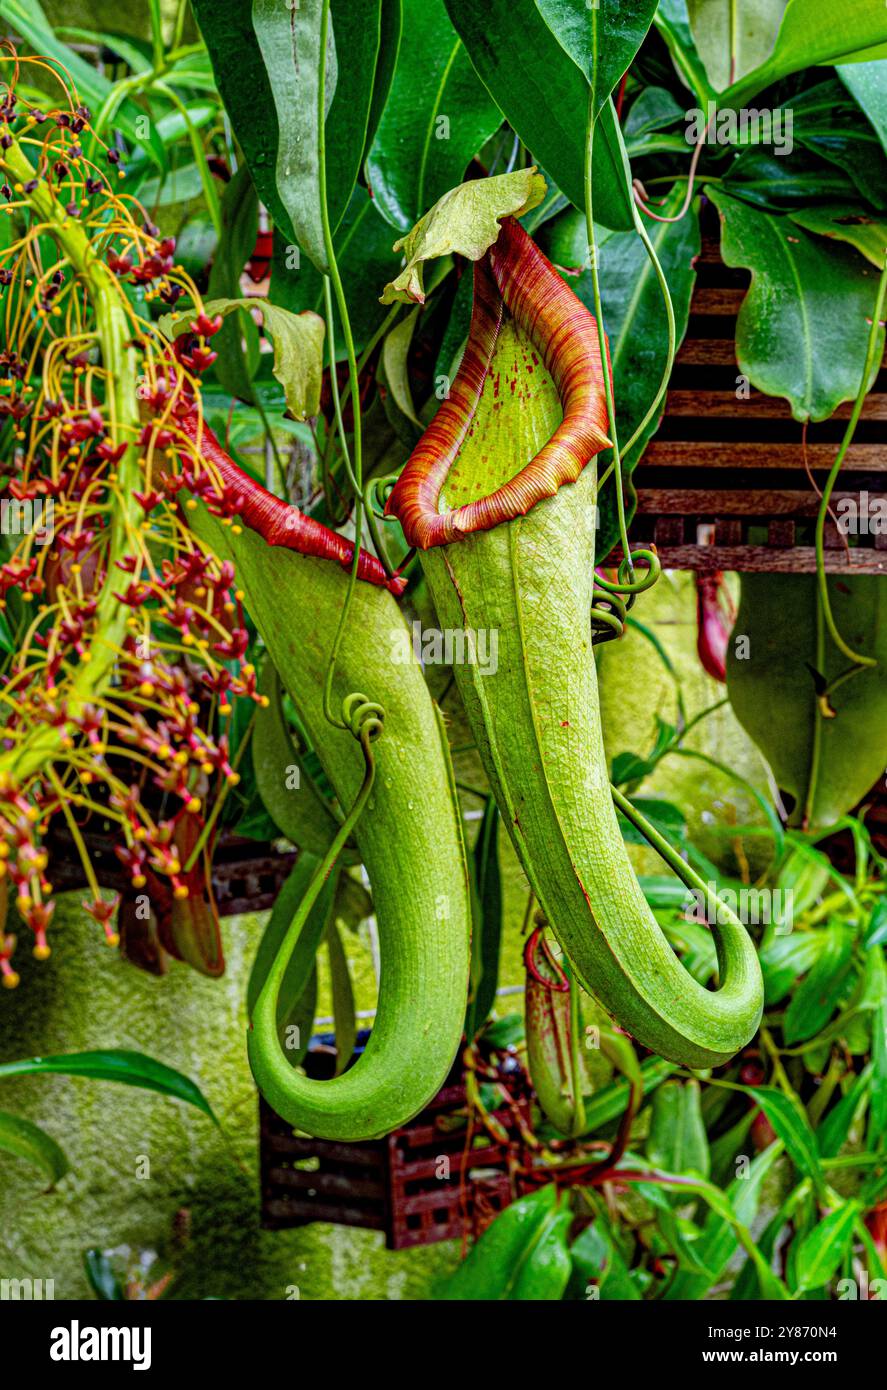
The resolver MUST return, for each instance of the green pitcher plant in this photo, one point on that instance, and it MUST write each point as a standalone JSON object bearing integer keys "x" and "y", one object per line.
{"x": 499, "y": 498}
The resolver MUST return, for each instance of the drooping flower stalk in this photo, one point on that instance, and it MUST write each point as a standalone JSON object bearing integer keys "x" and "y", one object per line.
{"x": 97, "y": 686}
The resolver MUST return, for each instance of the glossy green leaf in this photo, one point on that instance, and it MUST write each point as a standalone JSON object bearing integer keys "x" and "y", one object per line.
{"x": 366, "y": 263}
{"x": 634, "y": 317}
{"x": 437, "y": 117}
{"x": 734, "y": 39}
{"x": 390, "y": 34}
{"x": 826, "y": 121}
{"x": 602, "y": 40}
{"x": 653, "y": 110}
{"x": 784, "y": 959}
{"x": 826, "y": 764}
{"x": 23, "y": 1139}
{"x": 115, "y": 1064}
{"x": 865, "y": 81}
{"x": 672, "y": 19}
{"x": 523, "y": 1255}
{"x": 465, "y": 221}
{"x": 597, "y": 1262}
{"x": 878, "y": 1112}
{"x": 823, "y": 1249}
{"x": 290, "y": 44}
{"x": 237, "y": 342}
{"x": 813, "y": 33}
{"x": 522, "y": 65}
{"x": 849, "y": 222}
{"x": 816, "y": 999}
{"x": 767, "y": 181}
{"x": 802, "y": 330}
{"x": 789, "y": 1119}
{"x": 395, "y": 365}
{"x": 267, "y": 77}
{"x": 677, "y": 1141}
{"x": 746, "y": 1285}
{"x": 610, "y": 1101}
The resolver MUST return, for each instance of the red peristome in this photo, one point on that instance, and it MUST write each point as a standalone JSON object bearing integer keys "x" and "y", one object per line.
{"x": 277, "y": 522}
{"x": 514, "y": 274}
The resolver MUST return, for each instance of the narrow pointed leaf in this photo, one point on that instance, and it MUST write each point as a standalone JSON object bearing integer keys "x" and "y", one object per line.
{"x": 115, "y": 1064}
{"x": 23, "y": 1139}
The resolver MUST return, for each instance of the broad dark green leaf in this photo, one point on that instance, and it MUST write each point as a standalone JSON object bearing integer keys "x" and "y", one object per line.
{"x": 829, "y": 768}
{"x": 597, "y": 1261}
{"x": 437, "y": 117}
{"x": 290, "y": 42}
{"x": 802, "y": 330}
{"x": 634, "y": 317}
{"x": 866, "y": 82}
{"x": 734, "y": 39}
{"x": 602, "y": 40}
{"x": 816, "y": 999}
{"x": 390, "y": 34}
{"x": 851, "y": 222}
{"x": 677, "y": 1141}
{"x": 813, "y": 33}
{"x": 826, "y": 121}
{"x": 672, "y": 19}
{"x": 366, "y": 263}
{"x": 237, "y": 342}
{"x": 767, "y": 181}
{"x": 115, "y": 1064}
{"x": 653, "y": 110}
{"x": 523, "y": 1255}
{"x": 521, "y": 63}
{"x": 822, "y": 1250}
{"x": 272, "y": 103}
{"x": 23, "y": 1139}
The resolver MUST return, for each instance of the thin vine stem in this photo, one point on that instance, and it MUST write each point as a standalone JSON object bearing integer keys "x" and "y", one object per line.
{"x": 356, "y": 469}
{"x": 672, "y": 332}
{"x": 849, "y": 432}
